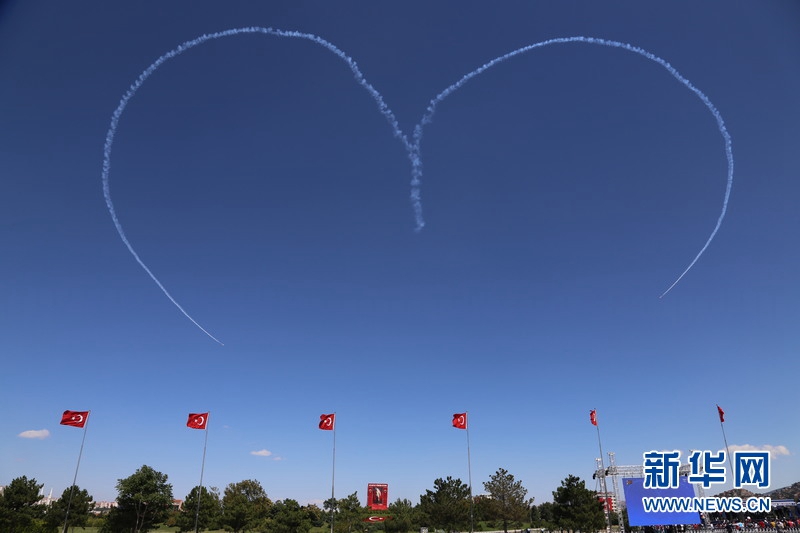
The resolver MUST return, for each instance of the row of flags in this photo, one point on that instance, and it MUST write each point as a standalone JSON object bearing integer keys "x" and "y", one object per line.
{"x": 593, "y": 417}
{"x": 326, "y": 421}
{"x": 78, "y": 419}
{"x": 200, "y": 420}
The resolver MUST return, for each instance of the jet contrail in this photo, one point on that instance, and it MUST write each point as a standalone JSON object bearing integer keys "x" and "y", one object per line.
{"x": 136, "y": 85}
{"x": 413, "y": 149}
{"x": 427, "y": 118}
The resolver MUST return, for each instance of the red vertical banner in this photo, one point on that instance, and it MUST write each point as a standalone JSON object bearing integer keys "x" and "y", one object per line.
{"x": 378, "y": 496}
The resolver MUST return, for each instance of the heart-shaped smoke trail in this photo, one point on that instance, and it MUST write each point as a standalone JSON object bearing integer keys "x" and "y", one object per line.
{"x": 413, "y": 149}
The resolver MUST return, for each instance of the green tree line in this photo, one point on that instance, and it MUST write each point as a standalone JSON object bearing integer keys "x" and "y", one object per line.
{"x": 145, "y": 502}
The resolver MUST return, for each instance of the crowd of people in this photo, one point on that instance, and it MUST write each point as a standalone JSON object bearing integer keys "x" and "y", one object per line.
{"x": 776, "y": 524}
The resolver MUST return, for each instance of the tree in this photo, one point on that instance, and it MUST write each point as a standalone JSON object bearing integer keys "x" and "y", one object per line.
{"x": 576, "y": 507}
{"x": 314, "y": 514}
{"x": 482, "y": 509}
{"x": 331, "y": 506}
{"x": 542, "y": 516}
{"x": 245, "y": 506}
{"x": 289, "y": 517}
{"x": 348, "y": 513}
{"x": 447, "y": 506}
{"x": 79, "y": 503}
{"x": 404, "y": 517}
{"x": 210, "y": 510}
{"x": 144, "y": 500}
{"x": 19, "y": 505}
{"x": 508, "y": 502}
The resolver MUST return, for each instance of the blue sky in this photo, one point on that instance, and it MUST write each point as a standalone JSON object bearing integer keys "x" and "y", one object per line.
{"x": 563, "y": 191}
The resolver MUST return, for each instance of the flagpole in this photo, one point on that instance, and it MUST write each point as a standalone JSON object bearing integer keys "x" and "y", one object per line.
{"x": 75, "y": 478}
{"x": 724, "y": 438}
{"x": 469, "y": 473}
{"x": 603, "y": 477}
{"x": 333, "y": 474}
{"x": 202, "y": 469}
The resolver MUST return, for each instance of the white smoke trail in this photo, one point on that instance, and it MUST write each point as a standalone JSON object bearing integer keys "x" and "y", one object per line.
{"x": 413, "y": 149}
{"x": 416, "y": 162}
{"x": 135, "y": 86}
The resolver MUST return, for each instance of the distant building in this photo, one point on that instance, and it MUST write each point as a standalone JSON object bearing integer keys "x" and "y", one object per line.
{"x": 103, "y": 507}
{"x": 47, "y": 500}
{"x": 608, "y": 500}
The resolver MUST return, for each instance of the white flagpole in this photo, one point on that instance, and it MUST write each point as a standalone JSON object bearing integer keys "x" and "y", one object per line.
{"x": 202, "y": 469}
{"x": 75, "y": 478}
{"x": 333, "y": 473}
{"x": 721, "y": 414}
{"x": 469, "y": 473}
{"x": 603, "y": 477}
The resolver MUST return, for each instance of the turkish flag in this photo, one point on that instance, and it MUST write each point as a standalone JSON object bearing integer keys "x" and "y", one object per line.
{"x": 460, "y": 420}
{"x": 593, "y": 417}
{"x": 197, "y": 420}
{"x": 721, "y": 414}
{"x": 327, "y": 421}
{"x": 74, "y": 418}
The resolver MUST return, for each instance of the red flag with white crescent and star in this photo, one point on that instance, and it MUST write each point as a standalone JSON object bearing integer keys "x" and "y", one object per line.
{"x": 460, "y": 420}
{"x": 721, "y": 414}
{"x": 593, "y": 417}
{"x": 376, "y": 518}
{"x": 327, "y": 421}
{"x": 74, "y": 418}
{"x": 197, "y": 420}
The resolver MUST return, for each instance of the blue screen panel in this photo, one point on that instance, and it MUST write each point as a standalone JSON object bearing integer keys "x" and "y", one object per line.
{"x": 635, "y": 491}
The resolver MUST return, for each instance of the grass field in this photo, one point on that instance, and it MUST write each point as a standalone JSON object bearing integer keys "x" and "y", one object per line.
{"x": 479, "y": 527}
{"x": 164, "y": 529}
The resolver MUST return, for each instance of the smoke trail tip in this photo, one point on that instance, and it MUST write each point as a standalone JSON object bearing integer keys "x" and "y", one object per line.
{"x": 669, "y": 289}
{"x": 209, "y": 334}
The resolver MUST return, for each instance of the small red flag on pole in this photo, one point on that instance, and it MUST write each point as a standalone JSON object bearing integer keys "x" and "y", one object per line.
{"x": 74, "y": 418}
{"x": 327, "y": 422}
{"x": 197, "y": 420}
{"x": 593, "y": 417}
{"x": 721, "y": 414}
{"x": 460, "y": 420}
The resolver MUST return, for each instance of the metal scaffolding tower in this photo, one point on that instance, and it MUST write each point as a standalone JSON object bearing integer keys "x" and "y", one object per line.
{"x": 620, "y": 521}
{"x": 602, "y": 480}
{"x": 615, "y": 471}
